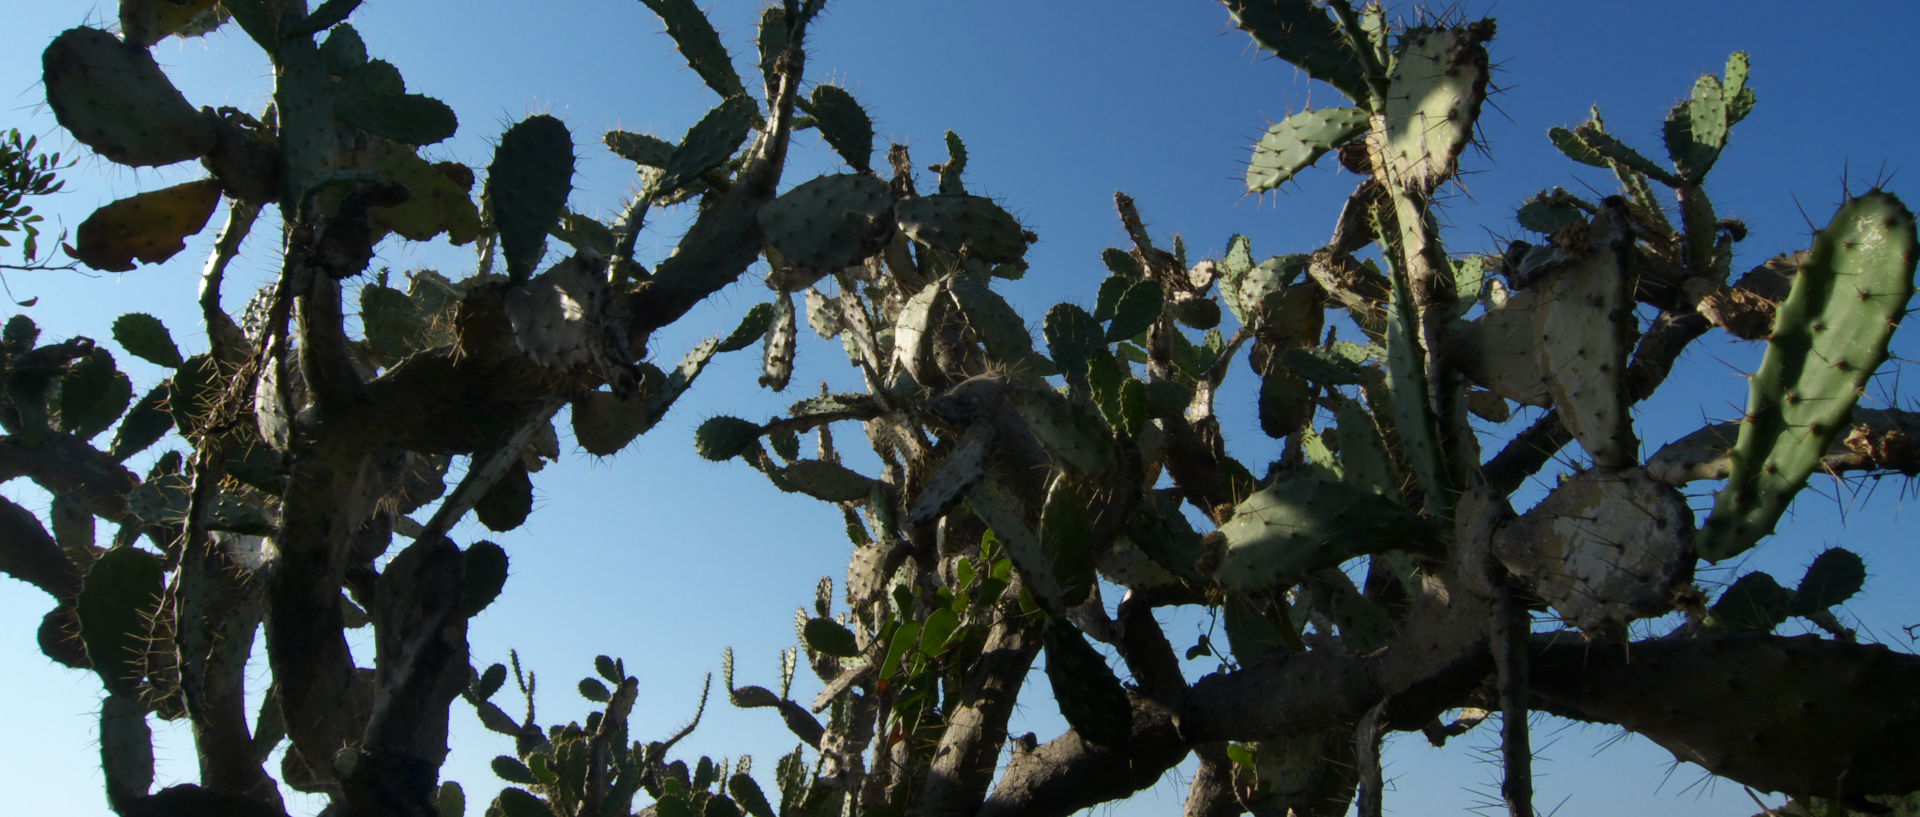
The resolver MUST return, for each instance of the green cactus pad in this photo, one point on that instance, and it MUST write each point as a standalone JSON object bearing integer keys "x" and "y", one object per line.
{"x": 1836, "y": 575}
{"x": 700, "y": 44}
{"x": 20, "y": 334}
{"x": 776, "y": 359}
{"x": 486, "y": 574}
{"x": 1066, "y": 536}
{"x": 747, "y": 793}
{"x": 967, "y": 226}
{"x": 1591, "y": 140}
{"x": 830, "y": 222}
{"x": 506, "y": 505}
{"x": 143, "y": 426}
{"x": 1439, "y": 80}
{"x": 1295, "y": 143}
{"x": 708, "y": 144}
{"x": 150, "y": 227}
{"x": 639, "y": 148}
{"x": 604, "y": 423}
{"x": 723, "y": 438}
{"x": 999, "y": 327}
{"x": 1829, "y": 336}
{"x": 1137, "y": 310}
{"x": 450, "y": 800}
{"x": 411, "y": 119}
{"x": 512, "y": 802}
{"x": 1089, "y": 695}
{"x": 957, "y": 473}
{"x": 771, "y": 39}
{"x": 527, "y": 188}
{"x": 752, "y": 327}
{"x": 489, "y": 682}
{"x": 913, "y": 329}
{"x": 116, "y": 607}
{"x": 584, "y": 234}
{"x": 114, "y": 98}
{"x": 1074, "y": 339}
{"x": 1300, "y": 32}
{"x": 1004, "y": 516}
{"x": 824, "y": 635}
{"x": 126, "y": 748}
{"x": 146, "y": 22}
{"x": 145, "y": 337}
{"x": 1300, "y": 525}
{"x": 681, "y": 378}
{"x": 393, "y": 325}
{"x": 93, "y": 393}
{"x": 1696, "y": 129}
{"x": 843, "y": 123}
{"x": 1754, "y": 603}
{"x": 827, "y": 481}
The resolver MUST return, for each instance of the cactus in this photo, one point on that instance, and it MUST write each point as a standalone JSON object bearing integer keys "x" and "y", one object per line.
{"x": 844, "y": 124}
{"x": 1829, "y": 336}
{"x": 1297, "y": 526}
{"x": 828, "y": 223}
{"x": 527, "y": 187}
{"x": 1295, "y": 143}
{"x": 150, "y": 227}
{"x": 967, "y": 226}
{"x": 114, "y": 98}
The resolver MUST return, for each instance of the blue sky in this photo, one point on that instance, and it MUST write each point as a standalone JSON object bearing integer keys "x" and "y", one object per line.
{"x": 662, "y": 558}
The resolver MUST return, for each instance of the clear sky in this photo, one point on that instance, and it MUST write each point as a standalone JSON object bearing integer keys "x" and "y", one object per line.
{"x": 662, "y": 558}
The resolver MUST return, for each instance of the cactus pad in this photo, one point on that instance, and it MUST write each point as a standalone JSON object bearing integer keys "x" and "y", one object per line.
{"x": 1829, "y": 336}
{"x": 150, "y": 227}
{"x": 1295, "y": 143}
{"x": 527, "y": 187}
{"x": 1606, "y": 547}
{"x": 967, "y": 226}
{"x": 114, "y": 98}
{"x": 829, "y": 222}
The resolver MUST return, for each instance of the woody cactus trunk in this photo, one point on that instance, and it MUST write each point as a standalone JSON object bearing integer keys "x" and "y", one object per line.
{"x": 308, "y": 448}
{"x": 1375, "y": 574}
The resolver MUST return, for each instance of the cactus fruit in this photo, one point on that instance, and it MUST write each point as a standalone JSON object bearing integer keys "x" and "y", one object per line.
{"x": 527, "y": 187}
{"x": 1606, "y": 547}
{"x": 828, "y": 223}
{"x": 150, "y": 227}
{"x": 1295, "y": 143}
{"x": 114, "y": 98}
{"x": 1296, "y": 526}
{"x": 118, "y": 602}
{"x": 967, "y": 226}
{"x": 843, "y": 123}
{"x": 723, "y": 438}
{"x": 1829, "y": 336}
{"x": 1433, "y": 99}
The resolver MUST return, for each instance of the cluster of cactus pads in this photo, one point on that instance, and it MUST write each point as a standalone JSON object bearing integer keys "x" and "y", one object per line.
{"x": 315, "y": 428}
{"x": 1377, "y": 551}
{"x": 1369, "y": 576}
